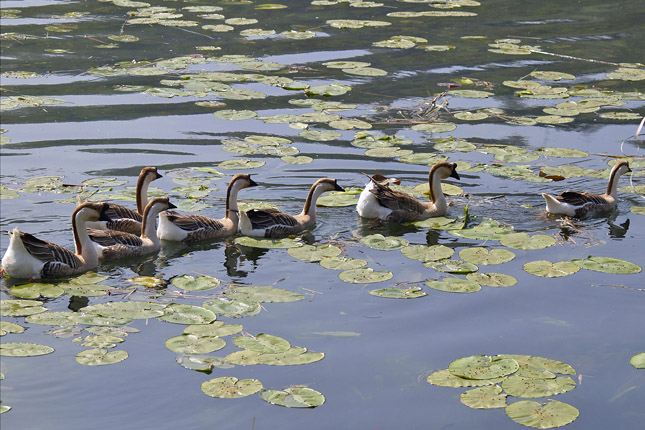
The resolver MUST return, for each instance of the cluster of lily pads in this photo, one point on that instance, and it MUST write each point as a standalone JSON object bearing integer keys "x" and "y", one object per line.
{"x": 521, "y": 376}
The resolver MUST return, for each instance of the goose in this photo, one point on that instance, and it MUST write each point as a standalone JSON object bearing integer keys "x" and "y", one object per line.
{"x": 579, "y": 203}
{"x": 190, "y": 228}
{"x": 271, "y": 223}
{"x": 32, "y": 258}
{"x": 111, "y": 244}
{"x": 124, "y": 219}
{"x": 390, "y": 205}
{"x": 367, "y": 205}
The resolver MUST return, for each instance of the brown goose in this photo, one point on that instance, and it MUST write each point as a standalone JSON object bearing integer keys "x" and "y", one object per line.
{"x": 125, "y": 219}
{"x": 579, "y": 203}
{"x": 272, "y": 223}
{"x": 30, "y": 257}
{"x": 118, "y": 244}
{"x": 390, "y": 205}
{"x": 190, "y": 228}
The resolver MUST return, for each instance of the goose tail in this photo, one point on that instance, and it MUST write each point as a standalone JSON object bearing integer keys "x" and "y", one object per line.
{"x": 552, "y": 204}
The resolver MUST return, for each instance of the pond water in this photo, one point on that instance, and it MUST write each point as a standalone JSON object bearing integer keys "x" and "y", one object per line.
{"x": 102, "y": 89}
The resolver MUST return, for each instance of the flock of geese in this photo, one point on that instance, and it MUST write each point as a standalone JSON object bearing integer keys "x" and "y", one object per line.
{"x": 110, "y": 231}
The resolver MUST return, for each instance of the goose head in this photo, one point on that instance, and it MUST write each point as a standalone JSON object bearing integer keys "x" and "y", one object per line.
{"x": 242, "y": 180}
{"x": 621, "y": 168}
{"x": 150, "y": 174}
{"x": 445, "y": 170}
{"x": 159, "y": 204}
{"x": 92, "y": 211}
{"x": 327, "y": 184}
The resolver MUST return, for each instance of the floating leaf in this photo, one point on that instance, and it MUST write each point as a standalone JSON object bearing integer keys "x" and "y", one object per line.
{"x": 542, "y": 416}
{"x": 230, "y": 114}
{"x": 267, "y": 243}
{"x": 191, "y": 344}
{"x": 232, "y": 308}
{"x": 52, "y": 318}
{"x": 20, "y": 349}
{"x": 132, "y": 309}
{"x": 229, "y": 387}
{"x": 531, "y": 388}
{"x": 399, "y": 293}
{"x": 8, "y": 327}
{"x": 427, "y": 253}
{"x": 99, "y": 320}
{"x": 488, "y": 229}
{"x": 338, "y": 199}
{"x": 492, "y": 279}
{"x": 546, "y": 269}
{"x": 6, "y": 193}
{"x": 490, "y": 397}
{"x": 241, "y": 163}
{"x": 483, "y": 256}
{"x": 638, "y": 361}
{"x": 342, "y": 263}
{"x": 20, "y": 308}
{"x": 561, "y": 152}
{"x": 483, "y": 367}
{"x": 608, "y": 265}
{"x": 451, "y": 266}
{"x": 539, "y": 364}
{"x": 299, "y": 159}
{"x": 328, "y": 90}
{"x": 98, "y": 357}
{"x": 444, "y": 378}
{"x": 190, "y": 283}
{"x": 101, "y": 341}
{"x": 454, "y": 285}
{"x": 364, "y": 276}
{"x": 147, "y": 281}
{"x": 314, "y": 253}
{"x": 524, "y": 241}
{"x": 552, "y": 76}
{"x": 294, "y": 397}
{"x": 187, "y": 314}
{"x": 36, "y": 290}
{"x": 475, "y": 94}
{"x": 435, "y": 127}
{"x": 263, "y": 343}
{"x": 202, "y": 363}
{"x": 386, "y": 243}
{"x": 263, "y": 294}
{"x": 214, "y": 329}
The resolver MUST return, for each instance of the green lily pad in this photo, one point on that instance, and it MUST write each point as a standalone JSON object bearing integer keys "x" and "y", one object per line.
{"x": 190, "y": 283}
{"x": 451, "y": 266}
{"x": 385, "y": 243}
{"x": 314, "y": 253}
{"x": 524, "y": 241}
{"x": 546, "y": 269}
{"x": 83, "y": 290}
{"x": 435, "y": 127}
{"x": 113, "y": 331}
{"x": 9, "y": 327}
{"x": 492, "y": 279}
{"x": 132, "y": 309}
{"x": 561, "y": 152}
{"x": 20, "y": 349}
{"x": 532, "y": 388}
{"x": 294, "y": 397}
{"x": 328, "y": 90}
{"x": 202, "y": 363}
{"x": 454, "y": 285}
{"x": 20, "y": 308}
{"x": 638, "y": 361}
{"x": 214, "y": 329}
{"x": 101, "y": 341}
{"x": 263, "y": 343}
{"x": 52, "y": 318}
{"x": 489, "y": 397}
{"x": 6, "y": 193}
{"x": 639, "y": 210}
{"x": 292, "y": 357}
{"x": 342, "y": 263}
{"x": 338, "y": 199}
{"x": 321, "y": 135}
{"x": 298, "y": 159}
{"x": 191, "y": 344}
{"x": 267, "y": 243}
{"x": 36, "y": 290}
{"x": 98, "y": 357}
{"x": 187, "y": 314}
{"x": 608, "y": 265}
{"x": 471, "y": 116}
{"x": 474, "y": 94}
{"x": 543, "y": 416}
{"x": 483, "y": 367}
{"x": 229, "y": 387}
{"x": 364, "y": 276}
{"x": 232, "y": 308}
{"x": 427, "y": 253}
{"x": 488, "y": 229}
{"x": 263, "y": 294}
{"x": 399, "y": 293}
{"x": 552, "y": 76}
{"x": 230, "y": 114}
{"x": 532, "y": 367}
{"x": 241, "y": 163}
{"x": 365, "y": 71}
{"x": 98, "y": 320}
{"x": 444, "y": 378}
{"x": 483, "y": 256}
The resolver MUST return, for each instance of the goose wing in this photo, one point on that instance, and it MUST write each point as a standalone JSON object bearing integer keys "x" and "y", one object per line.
{"x": 194, "y": 222}
{"x": 270, "y": 218}
{"x": 117, "y": 212}
{"x": 48, "y": 252}
{"x": 577, "y": 198}
{"x": 109, "y": 238}
{"x": 396, "y": 200}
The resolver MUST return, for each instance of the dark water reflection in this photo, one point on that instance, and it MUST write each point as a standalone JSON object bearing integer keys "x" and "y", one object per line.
{"x": 378, "y": 352}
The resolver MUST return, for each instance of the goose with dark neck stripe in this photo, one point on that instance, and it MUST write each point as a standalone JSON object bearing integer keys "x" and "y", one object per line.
{"x": 32, "y": 258}
{"x": 110, "y": 244}
{"x": 272, "y": 223}
{"x": 389, "y": 205}
{"x": 191, "y": 228}
{"x": 125, "y": 219}
{"x": 580, "y": 203}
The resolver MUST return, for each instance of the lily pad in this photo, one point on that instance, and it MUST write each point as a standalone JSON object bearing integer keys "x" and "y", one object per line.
{"x": 483, "y": 256}
{"x": 292, "y": 357}
{"x": 342, "y": 263}
{"x": 99, "y": 357}
{"x": 294, "y": 397}
{"x": 454, "y": 285}
{"x": 492, "y": 279}
{"x": 241, "y": 163}
{"x": 191, "y": 344}
{"x": 338, "y": 199}
{"x": 99, "y": 320}
{"x": 9, "y": 327}
{"x": 20, "y": 308}
{"x": 552, "y": 76}
{"x": 214, "y": 329}
{"x": 638, "y": 361}
{"x": 488, "y": 229}
{"x": 36, "y": 290}
{"x": 451, "y": 266}
{"x": 546, "y": 269}
{"x": 524, "y": 241}
{"x": 314, "y": 253}
{"x": 489, "y": 397}
{"x": 298, "y": 159}
{"x": 542, "y": 416}
{"x": 229, "y": 387}
{"x": 132, "y": 309}
{"x": 435, "y": 127}
{"x": 483, "y": 367}
{"x": 608, "y": 265}
{"x": 202, "y": 363}
{"x": 561, "y": 152}
{"x": 399, "y": 293}
{"x": 385, "y": 243}
{"x": 52, "y": 318}
{"x": 444, "y": 378}
{"x": 20, "y": 349}
{"x": 532, "y": 388}
{"x": 187, "y": 314}
{"x": 268, "y": 243}
{"x": 263, "y": 343}
{"x": 101, "y": 341}
{"x": 364, "y": 276}
{"x": 190, "y": 283}
{"x": 263, "y": 294}
{"x": 427, "y": 253}
{"x": 232, "y": 308}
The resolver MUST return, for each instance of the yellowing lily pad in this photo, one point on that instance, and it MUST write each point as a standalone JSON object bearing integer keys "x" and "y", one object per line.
{"x": 454, "y": 285}
{"x": 9, "y": 327}
{"x": 267, "y": 243}
{"x": 263, "y": 294}
{"x": 99, "y": 357}
{"x": 546, "y": 269}
{"x": 294, "y": 397}
{"x": 532, "y": 388}
{"x": 542, "y": 416}
{"x": 451, "y": 266}
{"x": 338, "y": 199}
{"x": 364, "y": 276}
{"x": 229, "y": 387}
{"x": 492, "y": 279}
{"x": 444, "y": 378}
{"x": 483, "y": 367}
{"x": 638, "y": 361}
{"x": 241, "y": 163}
{"x": 21, "y": 349}
{"x": 489, "y": 397}
{"x": 192, "y": 344}
{"x": 399, "y": 293}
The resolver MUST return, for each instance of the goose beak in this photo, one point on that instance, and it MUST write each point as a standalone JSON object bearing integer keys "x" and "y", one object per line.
{"x": 454, "y": 174}
{"x": 158, "y": 175}
{"x": 171, "y": 206}
{"x": 103, "y": 216}
{"x": 252, "y": 183}
{"x": 338, "y": 187}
